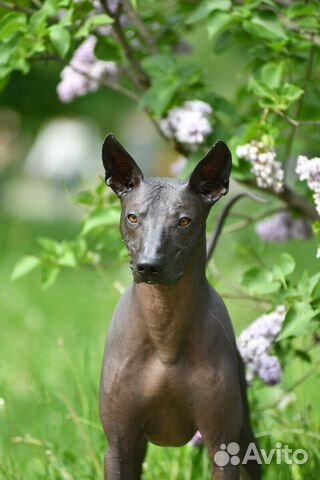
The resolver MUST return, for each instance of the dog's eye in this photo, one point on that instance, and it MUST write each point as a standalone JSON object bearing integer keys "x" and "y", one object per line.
{"x": 184, "y": 221}
{"x": 132, "y": 218}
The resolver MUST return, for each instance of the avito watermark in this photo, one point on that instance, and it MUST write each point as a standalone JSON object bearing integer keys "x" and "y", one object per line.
{"x": 228, "y": 454}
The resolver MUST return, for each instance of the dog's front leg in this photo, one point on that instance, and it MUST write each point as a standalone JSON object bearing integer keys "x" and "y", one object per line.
{"x": 226, "y": 473}
{"x": 123, "y": 460}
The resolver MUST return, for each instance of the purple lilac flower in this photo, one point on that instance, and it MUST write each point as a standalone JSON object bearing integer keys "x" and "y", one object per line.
{"x": 85, "y": 73}
{"x": 309, "y": 170}
{"x": 265, "y": 167}
{"x": 282, "y": 227}
{"x": 196, "y": 440}
{"x": 188, "y": 124}
{"x": 270, "y": 370}
{"x": 255, "y": 344}
{"x": 177, "y": 167}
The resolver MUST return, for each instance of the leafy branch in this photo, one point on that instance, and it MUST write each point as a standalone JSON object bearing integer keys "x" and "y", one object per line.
{"x": 14, "y": 7}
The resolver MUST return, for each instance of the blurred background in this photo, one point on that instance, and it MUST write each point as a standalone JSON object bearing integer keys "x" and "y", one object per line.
{"x": 52, "y": 340}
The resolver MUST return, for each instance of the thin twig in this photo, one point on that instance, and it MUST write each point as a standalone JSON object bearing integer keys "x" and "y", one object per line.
{"x": 16, "y": 8}
{"x": 139, "y": 77}
{"x": 291, "y": 198}
{"x": 296, "y": 123}
{"x": 119, "y": 88}
{"x": 237, "y": 293}
{"x": 46, "y": 58}
{"x": 140, "y": 25}
{"x": 212, "y": 242}
{"x": 293, "y": 386}
{"x": 294, "y": 126}
{"x": 311, "y": 37}
{"x": 236, "y": 226}
{"x": 109, "y": 83}
{"x": 259, "y": 302}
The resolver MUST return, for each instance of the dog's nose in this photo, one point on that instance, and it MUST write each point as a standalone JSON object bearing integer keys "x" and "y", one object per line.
{"x": 149, "y": 267}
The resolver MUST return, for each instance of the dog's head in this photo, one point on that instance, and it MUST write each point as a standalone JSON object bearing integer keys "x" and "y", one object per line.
{"x": 163, "y": 219}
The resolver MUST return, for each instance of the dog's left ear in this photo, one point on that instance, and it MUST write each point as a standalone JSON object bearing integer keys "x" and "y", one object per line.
{"x": 210, "y": 178}
{"x": 122, "y": 172}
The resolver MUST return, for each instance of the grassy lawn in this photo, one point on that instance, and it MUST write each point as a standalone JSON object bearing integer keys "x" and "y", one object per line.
{"x": 51, "y": 347}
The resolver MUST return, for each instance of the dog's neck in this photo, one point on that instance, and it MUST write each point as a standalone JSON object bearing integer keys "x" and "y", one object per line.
{"x": 168, "y": 311}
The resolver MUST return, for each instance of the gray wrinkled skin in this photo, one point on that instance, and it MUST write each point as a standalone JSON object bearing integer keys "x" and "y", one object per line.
{"x": 171, "y": 365}
{"x": 158, "y": 205}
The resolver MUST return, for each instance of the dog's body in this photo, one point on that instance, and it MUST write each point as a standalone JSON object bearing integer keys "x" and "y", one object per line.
{"x": 171, "y": 365}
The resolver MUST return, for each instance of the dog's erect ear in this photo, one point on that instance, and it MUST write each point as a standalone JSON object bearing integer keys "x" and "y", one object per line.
{"x": 210, "y": 178}
{"x": 122, "y": 172}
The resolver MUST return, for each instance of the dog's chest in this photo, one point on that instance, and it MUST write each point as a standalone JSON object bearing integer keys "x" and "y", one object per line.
{"x": 168, "y": 403}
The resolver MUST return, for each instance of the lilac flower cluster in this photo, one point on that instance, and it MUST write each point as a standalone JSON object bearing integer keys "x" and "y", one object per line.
{"x": 188, "y": 124}
{"x": 282, "y": 227}
{"x": 309, "y": 170}
{"x": 85, "y": 73}
{"x": 265, "y": 167}
{"x": 255, "y": 343}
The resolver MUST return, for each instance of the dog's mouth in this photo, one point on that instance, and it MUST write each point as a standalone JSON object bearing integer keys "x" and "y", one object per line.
{"x": 160, "y": 279}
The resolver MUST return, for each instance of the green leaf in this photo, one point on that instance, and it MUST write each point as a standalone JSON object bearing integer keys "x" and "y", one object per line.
{"x": 266, "y": 27}
{"x": 159, "y": 66}
{"x": 159, "y": 96}
{"x": 68, "y": 258}
{"x": 10, "y": 24}
{"x": 305, "y": 356}
{"x": 85, "y": 198}
{"x": 259, "y": 281}
{"x": 272, "y": 74}
{"x": 260, "y": 89}
{"x": 66, "y": 20}
{"x": 205, "y": 8}
{"x": 92, "y": 23}
{"x": 49, "y": 275}
{"x": 60, "y": 38}
{"x": 316, "y": 228}
{"x": 24, "y": 266}
{"x": 49, "y": 245}
{"x": 101, "y": 217}
{"x": 291, "y": 93}
{"x": 301, "y": 9}
{"x": 285, "y": 265}
{"x": 217, "y": 23}
{"x": 108, "y": 49}
{"x": 314, "y": 283}
{"x": 297, "y": 320}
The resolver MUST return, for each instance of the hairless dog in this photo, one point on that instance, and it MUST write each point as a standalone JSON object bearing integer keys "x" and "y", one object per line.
{"x": 171, "y": 364}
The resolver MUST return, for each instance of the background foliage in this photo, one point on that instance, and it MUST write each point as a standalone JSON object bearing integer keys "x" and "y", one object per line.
{"x": 256, "y": 65}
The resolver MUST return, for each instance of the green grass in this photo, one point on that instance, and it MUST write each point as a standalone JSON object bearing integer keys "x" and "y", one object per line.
{"x": 51, "y": 347}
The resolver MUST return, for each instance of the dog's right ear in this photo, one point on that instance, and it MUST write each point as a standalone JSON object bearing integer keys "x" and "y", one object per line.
{"x": 122, "y": 172}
